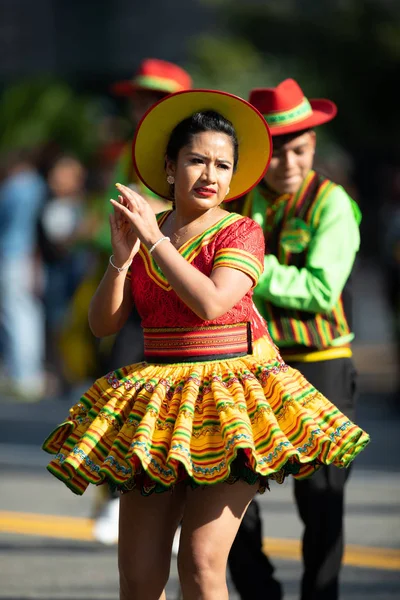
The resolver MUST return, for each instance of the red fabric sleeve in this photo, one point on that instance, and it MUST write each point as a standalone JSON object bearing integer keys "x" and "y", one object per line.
{"x": 241, "y": 246}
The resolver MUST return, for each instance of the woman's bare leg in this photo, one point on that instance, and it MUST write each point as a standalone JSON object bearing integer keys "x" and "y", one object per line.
{"x": 147, "y": 525}
{"x": 211, "y": 519}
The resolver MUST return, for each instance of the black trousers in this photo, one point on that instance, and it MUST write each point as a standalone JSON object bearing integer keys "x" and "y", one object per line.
{"x": 320, "y": 504}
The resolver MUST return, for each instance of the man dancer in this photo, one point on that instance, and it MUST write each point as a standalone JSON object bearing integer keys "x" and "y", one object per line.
{"x": 312, "y": 236}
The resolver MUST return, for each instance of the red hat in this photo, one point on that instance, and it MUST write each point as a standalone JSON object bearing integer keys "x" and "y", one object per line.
{"x": 287, "y": 110}
{"x": 155, "y": 75}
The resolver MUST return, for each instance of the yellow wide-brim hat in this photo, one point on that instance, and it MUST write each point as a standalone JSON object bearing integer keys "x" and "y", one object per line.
{"x": 154, "y": 130}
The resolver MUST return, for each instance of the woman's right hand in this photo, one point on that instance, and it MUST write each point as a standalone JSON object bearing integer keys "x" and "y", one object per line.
{"x": 125, "y": 243}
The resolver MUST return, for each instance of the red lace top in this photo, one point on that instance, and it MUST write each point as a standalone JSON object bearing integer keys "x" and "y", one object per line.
{"x": 235, "y": 241}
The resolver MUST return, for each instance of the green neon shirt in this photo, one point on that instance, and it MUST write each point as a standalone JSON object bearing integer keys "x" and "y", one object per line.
{"x": 330, "y": 258}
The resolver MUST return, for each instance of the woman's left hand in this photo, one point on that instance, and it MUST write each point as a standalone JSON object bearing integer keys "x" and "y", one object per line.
{"x": 140, "y": 214}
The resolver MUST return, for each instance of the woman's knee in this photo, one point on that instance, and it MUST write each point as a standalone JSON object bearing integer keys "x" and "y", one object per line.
{"x": 142, "y": 580}
{"x": 202, "y": 564}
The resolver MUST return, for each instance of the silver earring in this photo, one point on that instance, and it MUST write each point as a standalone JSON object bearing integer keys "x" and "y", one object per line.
{"x": 228, "y": 190}
{"x": 170, "y": 180}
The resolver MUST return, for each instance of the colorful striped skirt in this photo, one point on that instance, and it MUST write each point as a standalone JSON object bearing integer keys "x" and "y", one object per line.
{"x": 247, "y": 416}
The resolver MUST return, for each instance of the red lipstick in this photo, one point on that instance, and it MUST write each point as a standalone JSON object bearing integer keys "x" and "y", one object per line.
{"x": 206, "y": 192}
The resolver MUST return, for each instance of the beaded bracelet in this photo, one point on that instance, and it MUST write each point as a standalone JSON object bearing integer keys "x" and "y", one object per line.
{"x": 119, "y": 269}
{"x": 154, "y": 246}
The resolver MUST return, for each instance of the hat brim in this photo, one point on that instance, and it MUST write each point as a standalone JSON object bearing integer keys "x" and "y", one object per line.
{"x": 154, "y": 130}
{"x": 322, "y": 111}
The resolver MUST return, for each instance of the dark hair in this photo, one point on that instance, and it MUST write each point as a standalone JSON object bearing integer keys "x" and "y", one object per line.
{"x": 199, "y": 122}
{"x": 284, "y": 138}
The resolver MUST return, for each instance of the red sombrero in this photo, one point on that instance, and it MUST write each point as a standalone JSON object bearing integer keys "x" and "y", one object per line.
{"x": 155, "y": 75}
{"x": 287, "y": 110}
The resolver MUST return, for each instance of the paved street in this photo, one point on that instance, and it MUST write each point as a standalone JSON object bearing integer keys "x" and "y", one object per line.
{"x": 46, "y": 546}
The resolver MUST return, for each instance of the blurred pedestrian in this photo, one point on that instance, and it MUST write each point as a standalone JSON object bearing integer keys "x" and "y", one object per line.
{"x": 153, "y": 80}
{"x": 311, "y": 227}
{"x": 22, "y": 194}
{"x": 62, "y": 239}
{"x": 194, "y": 431}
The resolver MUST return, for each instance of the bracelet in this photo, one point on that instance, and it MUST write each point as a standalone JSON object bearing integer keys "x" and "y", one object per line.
{"x": 119, "y": 269}
{"x": 154, "y": 246}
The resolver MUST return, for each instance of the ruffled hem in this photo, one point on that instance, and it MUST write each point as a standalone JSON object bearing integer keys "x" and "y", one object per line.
{"x": 151, "y": 426}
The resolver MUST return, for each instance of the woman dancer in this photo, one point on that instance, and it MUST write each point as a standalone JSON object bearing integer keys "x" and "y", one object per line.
{"x": 194, "y": 432}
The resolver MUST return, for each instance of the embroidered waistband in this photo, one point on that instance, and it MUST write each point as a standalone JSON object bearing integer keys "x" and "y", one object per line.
{"x": 187, "y": 344}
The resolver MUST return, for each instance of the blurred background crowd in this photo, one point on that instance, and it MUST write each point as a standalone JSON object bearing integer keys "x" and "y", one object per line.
{"x": 63, "y": 130}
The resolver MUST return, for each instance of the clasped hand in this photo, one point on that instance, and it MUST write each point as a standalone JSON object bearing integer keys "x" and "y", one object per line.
{"x": 132, "y": 222}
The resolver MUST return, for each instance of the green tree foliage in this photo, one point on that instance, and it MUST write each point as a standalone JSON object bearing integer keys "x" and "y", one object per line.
{"x": 231, "y": 64}
{"x": 348, "y": 51}
{"x": 37, "y": 113}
